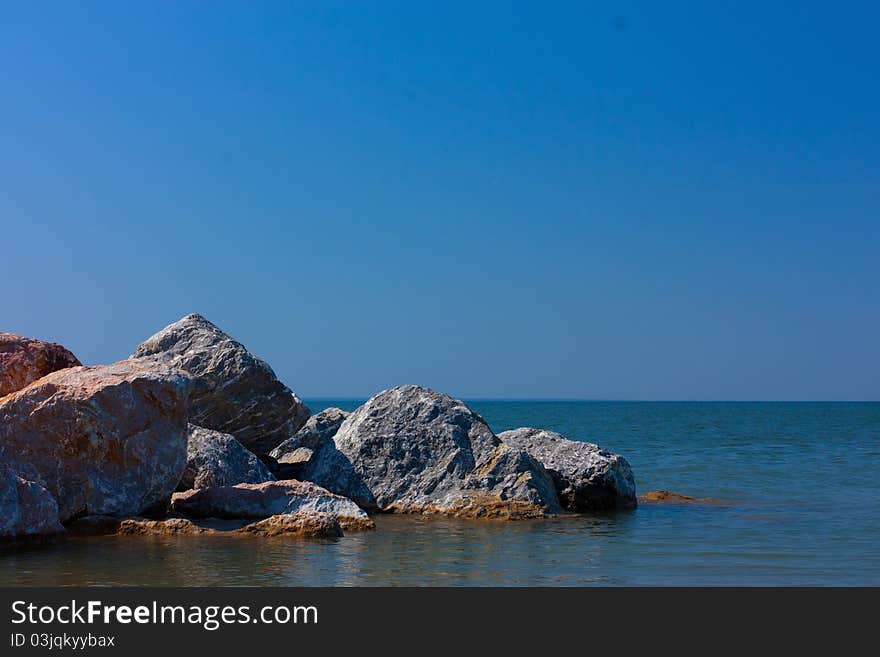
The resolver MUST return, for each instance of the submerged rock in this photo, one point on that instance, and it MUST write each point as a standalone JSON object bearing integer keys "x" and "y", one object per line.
{"x": 269, "y": 499}
{"x": 668, "y": 497}
{"x": 292, "y": 457}
{"x": 218, "y": 459}
{"x": 103, "y": 440}
{"x": 233, "y": 391}
{"x": 587, "y": 477}
{"x": 27, "y": 509}
{"x": 413, "y": 450}
{"x": 24, "y": 360}
{"x": 665, "y": 496}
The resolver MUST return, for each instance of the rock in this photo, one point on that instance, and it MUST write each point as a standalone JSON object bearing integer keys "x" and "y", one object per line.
{"x": 166, "y": 527}
{"x": 104, "y": 440}
{"x": 291, "y": 457}
{"x": 587, "y": 477}
{"x": 292, "y": 462}
{"x": 24, "y": 360}
{"x": 110, "y": 526}
{"x": 268, "y": 499}
{"x": 668, "y": 497}
{"x": 665, "y": 496}
{"x": 474, "y": 505}
{"x": 218, "y": 459}
{"x": 27, "y": 509}
{"x": 233, "y": 391}
{"x": 305, "y": 524}
{"x": 410, "y": 449}
{"x": 302, "y": 523}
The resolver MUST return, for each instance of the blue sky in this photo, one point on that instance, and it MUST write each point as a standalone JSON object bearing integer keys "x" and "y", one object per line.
{"x": 587, "y": 200}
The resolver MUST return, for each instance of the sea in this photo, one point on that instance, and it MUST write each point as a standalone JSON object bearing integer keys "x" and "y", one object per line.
{"x": 794, "y": 491}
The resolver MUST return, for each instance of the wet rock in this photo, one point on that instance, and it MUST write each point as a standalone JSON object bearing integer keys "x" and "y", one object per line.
{"x": 668, "y": 497}
{"x": 218, "y": 459}
{"x": 24, "y": 360}
{"x": 587, "y": 477}
{"x": 166, "y": 527}
{"x": 233, "y": 391}
{"x": 27, "y": 509}
{"x": 474, "y": 505}
{"x": 302, "y": 524}
{"x": 103, "y": 440}
{"x": 291, "y": 458}
{"x": 413, "y": 450}
{"x": 665, "y": 496}
{"x": 110, "y": 526}
{"x": 269, "y": 499}
{"x": 306, "y": 524}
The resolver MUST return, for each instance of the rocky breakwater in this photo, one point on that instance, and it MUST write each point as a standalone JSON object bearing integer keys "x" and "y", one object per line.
{"x": 192, "y": 410}
{"x": 233, "y": 391}
{"x": 107, "y": 440}
{"x": 586, "y": 477}
{"x": 413, "y": 450}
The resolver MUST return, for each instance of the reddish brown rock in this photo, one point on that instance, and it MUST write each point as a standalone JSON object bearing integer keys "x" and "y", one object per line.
{"x": 105, "y": 440}
{"x": 303, "y": 524}
{"x": 166, "y": 527}
{"x": 668, "y": 497}
{"x": 174, "y": 525}
{"x": 24, "y": 360}
{"x": 665, "y": 496}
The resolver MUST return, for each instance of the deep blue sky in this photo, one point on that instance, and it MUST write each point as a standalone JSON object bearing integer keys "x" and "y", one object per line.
{"x": 634, "y": 201}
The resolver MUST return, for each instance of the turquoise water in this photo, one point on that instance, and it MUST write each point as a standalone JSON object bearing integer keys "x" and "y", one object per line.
{"x": 802, "y": 479}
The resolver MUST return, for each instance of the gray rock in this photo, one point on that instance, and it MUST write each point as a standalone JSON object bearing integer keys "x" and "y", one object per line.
{"x": 218, "y": 459}
{"x": 269, "y": 499}
{"x": 233, "y": 391}
{"x": 292, "y": 457}
{"x": 103, "y": 440}
{"x": 587, "y": 477}
{"x": 24, "y": 360}
{"x": 27, "y": 509}
{"x": 410, "y": 449}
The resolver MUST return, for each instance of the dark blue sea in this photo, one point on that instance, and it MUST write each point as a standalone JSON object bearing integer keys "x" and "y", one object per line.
{"x": 799, "y": 485}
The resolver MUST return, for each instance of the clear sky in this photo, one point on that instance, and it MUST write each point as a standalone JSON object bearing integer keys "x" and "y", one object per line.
{"x": 653, "y": 200}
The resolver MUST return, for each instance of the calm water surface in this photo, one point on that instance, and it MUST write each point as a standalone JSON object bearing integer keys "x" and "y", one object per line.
{"x": 803, "y": 479}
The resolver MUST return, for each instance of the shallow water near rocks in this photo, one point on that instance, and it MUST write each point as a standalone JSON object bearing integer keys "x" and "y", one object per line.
{"x": 801, "y": 483}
